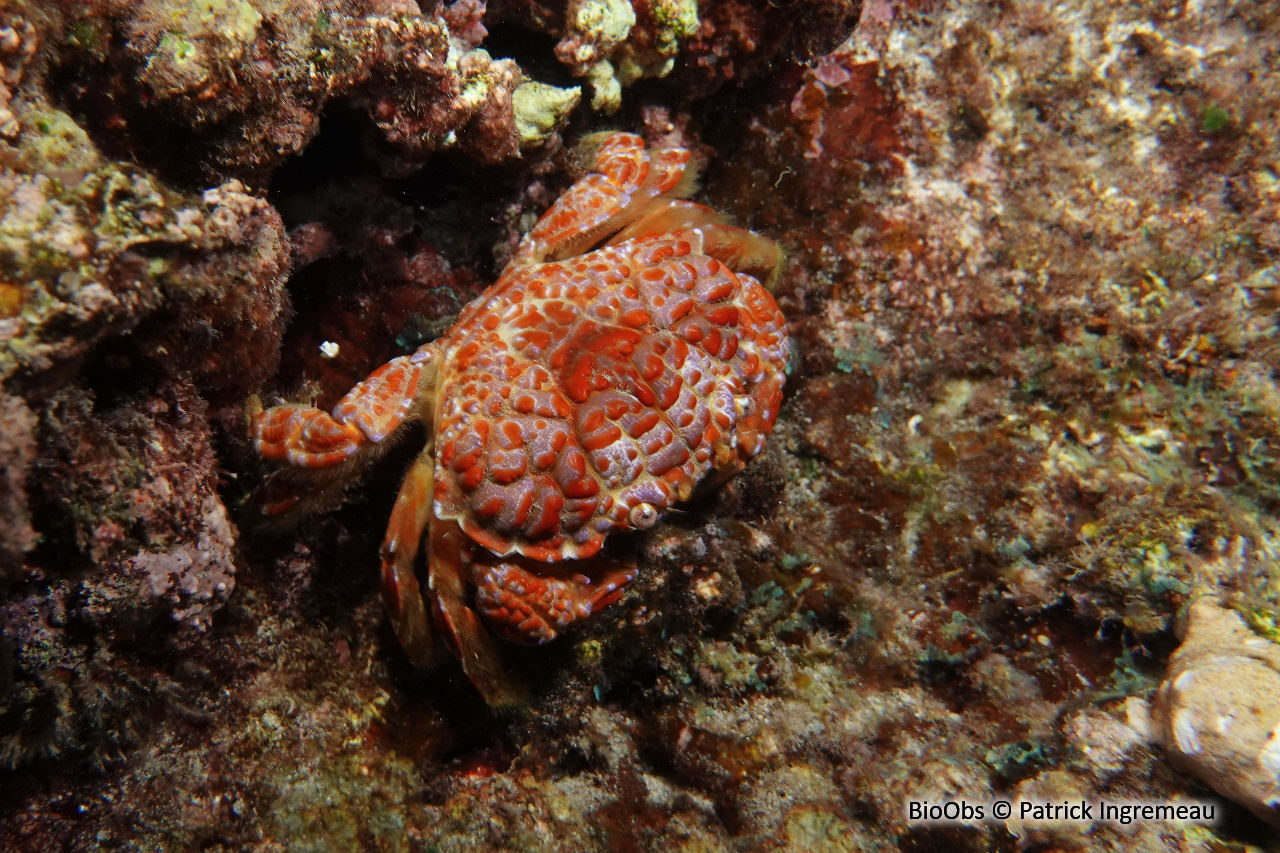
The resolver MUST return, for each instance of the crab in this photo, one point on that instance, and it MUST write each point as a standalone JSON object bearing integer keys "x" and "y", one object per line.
{"x": 627, "y": 351}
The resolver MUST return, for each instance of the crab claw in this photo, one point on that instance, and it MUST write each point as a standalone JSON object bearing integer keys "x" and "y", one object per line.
{"x": 524, "y": 607}
{"x": 306, "y": 437}
{"x": 303, "y": 436}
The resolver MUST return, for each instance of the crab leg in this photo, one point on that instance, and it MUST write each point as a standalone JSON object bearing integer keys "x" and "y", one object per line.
{"x": 400, "y": 590}
{"x": 740, "y": 250}
{"x": 626, "y": 181}
{"x": 470, "y": 639}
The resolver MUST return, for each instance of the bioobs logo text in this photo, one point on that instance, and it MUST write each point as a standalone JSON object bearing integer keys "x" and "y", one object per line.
{"x": 948, "y": 811}
{"x": 1123, "y": 813}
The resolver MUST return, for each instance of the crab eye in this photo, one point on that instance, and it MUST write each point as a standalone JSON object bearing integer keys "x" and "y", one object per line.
{"x": 643, "y": 516}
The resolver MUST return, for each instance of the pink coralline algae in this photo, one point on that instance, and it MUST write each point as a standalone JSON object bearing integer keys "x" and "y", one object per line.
{"x": 142, "y": 556}
{"x": 17, "y": 452}
{"x": 17, "y": 46}
{"x": 142, "y": 505}
{"x": 192, "y": 578}
{"x": 581, "y": 394}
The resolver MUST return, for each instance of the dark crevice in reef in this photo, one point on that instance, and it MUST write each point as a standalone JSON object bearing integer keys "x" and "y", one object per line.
{"x": 534, "y": 52}
{"x": 333, "y": 156}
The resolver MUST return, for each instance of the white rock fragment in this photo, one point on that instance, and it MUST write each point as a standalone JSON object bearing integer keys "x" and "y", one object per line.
{"x": 1105, "y": 742}
{"x": 1218, "y": 712}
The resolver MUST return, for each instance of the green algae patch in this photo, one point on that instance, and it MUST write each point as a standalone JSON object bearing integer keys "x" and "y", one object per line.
{"x": 1214, "y": 120}
{"x": 58, "y": 142}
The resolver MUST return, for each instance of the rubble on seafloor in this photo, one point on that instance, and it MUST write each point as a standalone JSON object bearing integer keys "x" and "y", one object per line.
{"x": 1218, "y": 712}
{"x": 1014, "y": 535}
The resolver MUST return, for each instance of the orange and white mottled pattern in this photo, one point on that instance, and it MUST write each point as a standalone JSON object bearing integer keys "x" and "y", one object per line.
{"x": 585, "y": 392}
{"x": 576, "y": 391}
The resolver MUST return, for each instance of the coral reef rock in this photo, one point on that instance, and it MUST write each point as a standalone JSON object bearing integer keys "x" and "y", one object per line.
{"x": 242, "y": 83}
{"x": 1031, "y": 277}
{"x": 700, "y": 45}
{"x": 17, "y": 452}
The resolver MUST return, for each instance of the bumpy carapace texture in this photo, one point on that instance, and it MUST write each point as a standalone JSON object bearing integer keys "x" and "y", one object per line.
{"x": 584, "y": 392}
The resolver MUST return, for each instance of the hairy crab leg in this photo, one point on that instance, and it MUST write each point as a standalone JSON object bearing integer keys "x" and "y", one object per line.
{"x": 470, "y": 639}
{"x": 400, "y": 590}
{"x": 740, "y": 250}
{"x": 303, "y": 436}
